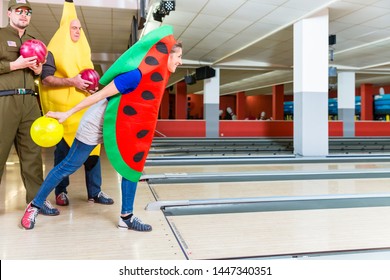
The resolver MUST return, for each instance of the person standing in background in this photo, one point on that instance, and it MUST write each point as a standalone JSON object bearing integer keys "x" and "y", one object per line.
{"x": 19, "y": 107}
{"x": 62, "y": 88}
{"x": 262, "y": 116}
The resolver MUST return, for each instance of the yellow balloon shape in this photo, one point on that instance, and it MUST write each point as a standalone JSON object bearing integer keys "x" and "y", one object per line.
{"x": 46, "y": 132}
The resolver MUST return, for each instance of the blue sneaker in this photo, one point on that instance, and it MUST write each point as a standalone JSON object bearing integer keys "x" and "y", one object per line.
{"x": 133, "y": 223}
{"x": 102, "y": 198}
{"x": 48, "y": 210}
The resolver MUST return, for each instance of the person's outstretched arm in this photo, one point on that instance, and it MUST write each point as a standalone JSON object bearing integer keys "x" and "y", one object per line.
{"x": 105, "y": 92}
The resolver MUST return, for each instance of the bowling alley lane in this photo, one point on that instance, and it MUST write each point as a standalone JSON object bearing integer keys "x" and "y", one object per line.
{"x": 265, "y": 167}
{"x": 267, "y": 188}
{"x": 336, "y": 233}
{"x": 224, "y": 190}
{"x": 292, "y": 218}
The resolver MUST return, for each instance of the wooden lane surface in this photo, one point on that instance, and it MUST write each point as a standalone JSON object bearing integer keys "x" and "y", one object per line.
{"x": 83, "y": 230}
{"x": 277, "y": 233}
{"x": 284, "y": 233}
{"x": 264, "y": 167}
{"x": 196, "y": 191}
{"x": 200, "y": 191}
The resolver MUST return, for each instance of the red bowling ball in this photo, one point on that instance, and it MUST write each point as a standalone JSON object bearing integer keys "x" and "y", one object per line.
{"x": 34, "y": 47}
{"x": 92, "y": 76}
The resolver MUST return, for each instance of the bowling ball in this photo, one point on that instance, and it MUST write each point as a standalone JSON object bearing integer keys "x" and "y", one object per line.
{"x": 46, "y": 132}
{"x": 34, "y": 47}
{"x": 92, "y": 76}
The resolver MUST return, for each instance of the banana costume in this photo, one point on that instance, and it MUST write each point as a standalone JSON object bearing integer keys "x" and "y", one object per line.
{"x": 70, "y": 58}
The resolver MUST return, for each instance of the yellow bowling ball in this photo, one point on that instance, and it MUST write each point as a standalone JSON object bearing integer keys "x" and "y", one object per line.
{"x": 46, "y": 132}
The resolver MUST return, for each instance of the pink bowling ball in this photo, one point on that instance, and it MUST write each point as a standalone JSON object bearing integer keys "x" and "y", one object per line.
{"x": 34, "y": 47}
{"x": 92, "y": 76}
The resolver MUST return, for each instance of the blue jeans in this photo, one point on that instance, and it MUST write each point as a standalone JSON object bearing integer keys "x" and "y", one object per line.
{"x": 128, "y": 195}
{"x": 75, "y": 158}
{"x": 93, "y": 174}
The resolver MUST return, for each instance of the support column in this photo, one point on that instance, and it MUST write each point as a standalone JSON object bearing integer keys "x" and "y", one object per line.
{"x": 311, "y": 85}
{"x": 240, "y": 105}
{"x": 367, "y": 102}
{"x": 181, "y": 100}
{"x": 3, "y": 13}
{"x": 277, "y": 102}
{"x": 164, "y": 107}
{"x": 346, "y": 102}
{"x": 211, "y": 105}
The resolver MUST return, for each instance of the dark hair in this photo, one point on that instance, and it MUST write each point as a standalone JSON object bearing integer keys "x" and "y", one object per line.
{"x": 176, "y": 46}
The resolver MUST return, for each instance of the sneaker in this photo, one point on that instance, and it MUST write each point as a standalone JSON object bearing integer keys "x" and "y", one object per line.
{"x": 62, "y": 199}
{"x": 28, "y": 220}
{"x": 133, "y": 223}
{"x": 101, "y": 198}
{"x": 48, "y": 210}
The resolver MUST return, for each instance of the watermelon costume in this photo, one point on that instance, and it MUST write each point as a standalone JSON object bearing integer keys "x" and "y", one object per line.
{"x": 130, "y": 119}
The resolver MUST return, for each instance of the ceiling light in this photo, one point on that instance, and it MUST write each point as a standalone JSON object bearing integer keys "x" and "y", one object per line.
{"x": 157, "y": 16}
{"x": 163, "y": 9}
{"x": 332, "y": 40}
{"x": 168, "y": 5}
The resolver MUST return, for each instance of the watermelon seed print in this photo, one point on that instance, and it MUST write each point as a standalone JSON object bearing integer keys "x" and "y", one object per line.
{"x": 129, "y": 111}
{"x": 148, "y": 95}
{"x": 156, "y": 77}
{"x": 150, "y": 60}
{"x": 142, "y": 133}
{"x": 162, "y": 48}
{"x": 138, "y": 156}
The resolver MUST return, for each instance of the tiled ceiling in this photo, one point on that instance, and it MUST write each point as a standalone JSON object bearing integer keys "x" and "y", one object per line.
{"x": 251, "y": 41}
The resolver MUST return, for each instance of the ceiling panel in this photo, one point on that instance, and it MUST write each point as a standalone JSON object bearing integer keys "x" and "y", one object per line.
{"x": 251, "y": 41}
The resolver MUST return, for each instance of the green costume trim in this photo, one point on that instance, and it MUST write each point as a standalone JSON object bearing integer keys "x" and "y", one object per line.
{"x": 132, "y": 58}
